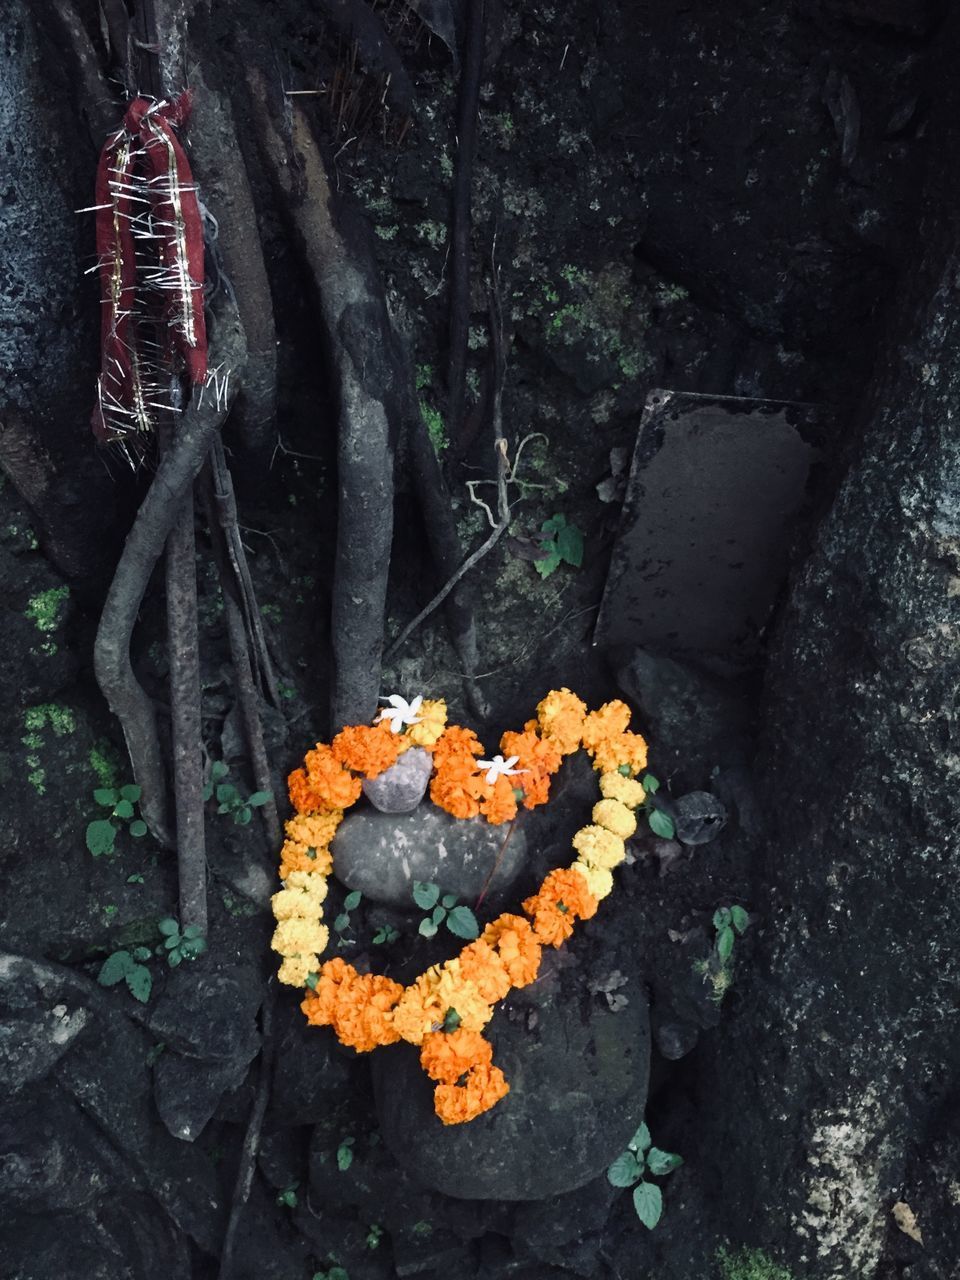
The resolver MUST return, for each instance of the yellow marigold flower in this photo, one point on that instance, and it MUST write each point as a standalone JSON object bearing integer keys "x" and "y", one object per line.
{"x": 599, "y": 847}
{"x": 295, "y": 970}
{"x": 614, "y": 786}
{"x": 615, "y": 817}
{"x": 610, "y": 721}
{"x": 433, "y": 721}
{"x": 561, "y": 715}
{"x": 311, "y": 882}
{"x": 599, "y": 879}
{"x": 424, "y": 1005}
{"x": 297, "y": 904}
{"x": 300, "y": 937}
{"x": 628, "y": 749}
{"x": 315, "y": 829}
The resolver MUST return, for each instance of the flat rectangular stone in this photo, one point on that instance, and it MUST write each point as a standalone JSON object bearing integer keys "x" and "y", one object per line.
{"x": 715, "y": 488}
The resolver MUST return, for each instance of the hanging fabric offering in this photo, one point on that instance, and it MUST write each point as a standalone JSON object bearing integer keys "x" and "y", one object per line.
{"x": 150, "y": 259}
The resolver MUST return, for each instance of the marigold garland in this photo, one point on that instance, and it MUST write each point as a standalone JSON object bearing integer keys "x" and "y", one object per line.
{"x": 445, "y": 1010}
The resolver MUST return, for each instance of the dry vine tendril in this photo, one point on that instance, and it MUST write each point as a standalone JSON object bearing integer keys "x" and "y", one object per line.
{"x": 444, "y": 1010}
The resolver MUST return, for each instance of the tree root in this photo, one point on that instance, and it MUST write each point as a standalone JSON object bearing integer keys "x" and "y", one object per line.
{"x": 362, "y": 350}
{"x": 202, "y": 419}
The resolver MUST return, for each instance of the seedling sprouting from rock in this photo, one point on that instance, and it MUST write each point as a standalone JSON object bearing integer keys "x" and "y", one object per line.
{"x": 628, "y": 1170}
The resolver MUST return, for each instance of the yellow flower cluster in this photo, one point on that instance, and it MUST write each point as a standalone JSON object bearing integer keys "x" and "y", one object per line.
{"x": 306, "y": 862}
{"x": 600, "y": 844}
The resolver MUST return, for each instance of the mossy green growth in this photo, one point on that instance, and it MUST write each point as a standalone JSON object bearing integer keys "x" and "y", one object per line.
{"x": 49, "y": 715}
{"x": 45, "y": 610}
{"x": 435, "y": 428}
{"x": 104, "y": 764}
{"x": 749, "y": 1264}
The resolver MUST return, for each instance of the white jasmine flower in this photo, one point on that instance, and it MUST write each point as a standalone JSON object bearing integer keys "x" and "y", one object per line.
{"x": 500, "y": 768}
{"x": 400, "y": 712}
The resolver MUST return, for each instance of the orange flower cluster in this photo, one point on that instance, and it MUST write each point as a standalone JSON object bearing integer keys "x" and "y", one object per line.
{"x": 445, "y": 1010}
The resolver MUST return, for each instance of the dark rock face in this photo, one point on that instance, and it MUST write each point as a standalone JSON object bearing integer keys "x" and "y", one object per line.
{"x": 383, "y": 854}
{"x": 578, "y": 1083}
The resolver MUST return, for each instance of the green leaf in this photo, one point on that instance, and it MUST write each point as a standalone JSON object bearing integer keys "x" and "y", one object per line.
{"x": 554, "y": 524}
{"x": 648, "y": 1202}
{"x": 463, "y": 923}
{"x": 570, "y": 545}
{"x": 312, "y": 980}
{"x": 548, "y": 563}
{"x": 140, "y": 982}
{"x": 661, "y": 824}
{"x": 721, "y": 917}
{"x": 131, "y": 792}
{"x": 650, "y": 783}
{"x": 427, "y": 928}
{"x": 100, "y": 836}
{"x": 124, "y": 809}
{"x": 661, "y": 1163}
{"x": 740, "y": 919}
{"x": 172, "y": 941}
{"x": 624, "y": 770}
{"x": 451, "y": 1021}
{"x": 174, "y": 958}
{"x": 725, "y": 940}
{"x": 106, "y": 796}
{"x": 135, "y": 878}
{"x": 115, "y": 968}
{"x": 219, "y": 770}
{"x": 193, "y": 931}
{"x": 227, "y": 792}
{"x": 352, "y": 900}
{"x": 438, "y": 915}
{"x": 425, "y": 895}
{"x": 342, "y": 921}
{"x": 168, "y": 925}
{"x": 258, "y": 798}
{"x": 345, "y": 1155}
{"x": 142, "y": 953}
{"x": 242, "y": 816}
{"x": 625, "y": 1170}
{"x": 449, "y": 900}
{"x": 641, "y": 1139}
{"x": 208, "y": 790}
{"x": 337, "y": 1273}
{"x": 194, "y": 947}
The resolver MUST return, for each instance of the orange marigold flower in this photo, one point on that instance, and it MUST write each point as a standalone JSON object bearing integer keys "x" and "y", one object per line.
{"x": 446, "y": 1056}
{"x": 563, "y": 898}
{"x": 315, "y": 829}
{"x": 516, "y": 945}
{"x": 301, "y": 857}
{"x": 457, "y": 790}
{"x": 481, "y": 965}
{"x": 363, "y": 1012}
{"x": 367, "y": 749}
{"x": 483, "y": 1088}
{"x": 425, "y": 1003}
{"x": 499, "y": 804}
{"x": 318, "y": 1005}
{"x": 337, "y": 787}
{"x": 560, "y": 715}
{"x": 628, "y": 749}
{"x": 456, "y": 743}
{"x": 302, "y": 796}
{"x": 611, "y": 720}
{"x": 540, "y": 757}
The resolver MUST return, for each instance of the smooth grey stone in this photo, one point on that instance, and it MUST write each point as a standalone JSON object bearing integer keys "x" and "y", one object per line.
{"x": 400, "y": 788}
{"x": 383, "y": 854}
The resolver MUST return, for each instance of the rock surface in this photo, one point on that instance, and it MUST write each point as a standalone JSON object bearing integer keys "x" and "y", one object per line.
{"x": 383, "y": 854}
{"x": 400, "y": 788}
{"x": 578, "y": 1088}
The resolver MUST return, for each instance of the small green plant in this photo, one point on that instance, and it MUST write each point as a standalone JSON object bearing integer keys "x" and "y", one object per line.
{"x": 179, "y": 946}
{"x": 332, "y": 1273}
{"x": 288, "y": 1198}
{"x": 374, "y": 1235}
{"x": 122, "y": 803}
{"x": 128, "y": 967}
{"x": 342, "y": 922}
{"x": 628, "y": 1170}
{"x": 728, "y": 922}
{"x": 345, "y": 1154}
{"x": 229, "y": 799}
{"x": 386, "y": 934}
{"x": 562, "y": 544}
{"x": 460, "y": 920}
{"x": 661, "y": 824}
{"x": 749, "y": 1264}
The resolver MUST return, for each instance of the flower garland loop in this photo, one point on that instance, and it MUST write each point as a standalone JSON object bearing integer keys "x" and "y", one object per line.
{"x": 445, "y": 1010}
